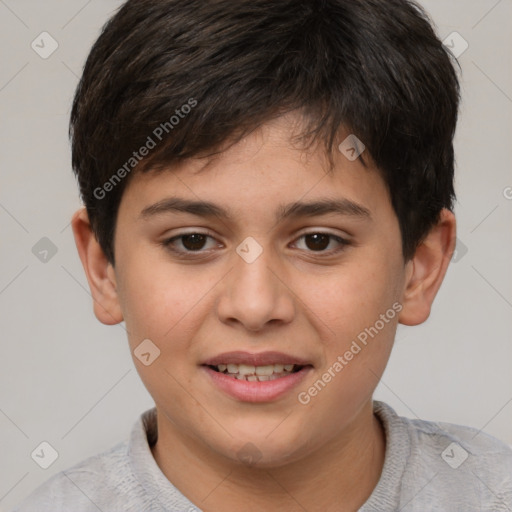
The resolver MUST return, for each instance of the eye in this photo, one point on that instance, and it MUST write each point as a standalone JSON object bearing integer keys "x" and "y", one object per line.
{"x": 319, "y": 241}
{"x": 191, "y": 242}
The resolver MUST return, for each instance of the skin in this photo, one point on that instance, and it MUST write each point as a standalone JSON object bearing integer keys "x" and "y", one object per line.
{"x": 295, "y": 298}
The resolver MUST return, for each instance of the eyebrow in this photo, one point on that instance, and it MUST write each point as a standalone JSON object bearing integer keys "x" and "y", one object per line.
{"x": 296, "y": 209}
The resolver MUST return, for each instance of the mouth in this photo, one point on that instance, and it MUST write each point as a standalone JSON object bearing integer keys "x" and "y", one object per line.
{"x": 252, "y": 373}
{"x": 262, "y": 377}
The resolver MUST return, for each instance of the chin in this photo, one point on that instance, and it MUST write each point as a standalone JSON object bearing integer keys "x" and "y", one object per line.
{"x": 259, "y": 456}
{"x": 263, "y": 450}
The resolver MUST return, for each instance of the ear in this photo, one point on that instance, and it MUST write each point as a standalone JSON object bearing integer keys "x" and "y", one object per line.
{"x": 100, "y": 273}
{"x": 426, "y": 271}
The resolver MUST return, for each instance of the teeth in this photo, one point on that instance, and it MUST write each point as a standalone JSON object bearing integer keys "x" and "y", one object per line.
{"x": 256, "y": 378}
{"x": 249, "y": 369}
{"x": 253, "y": 373}
{"x": 246, "y": 369}
{"x": 265, "y": 370}
{"x": 232, "y": 368}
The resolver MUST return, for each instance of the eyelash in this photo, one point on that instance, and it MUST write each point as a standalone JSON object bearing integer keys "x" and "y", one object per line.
{"x": 186, "y": 254}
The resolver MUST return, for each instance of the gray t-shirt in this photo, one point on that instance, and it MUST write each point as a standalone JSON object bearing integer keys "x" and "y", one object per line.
{"x": 428, "y": 466}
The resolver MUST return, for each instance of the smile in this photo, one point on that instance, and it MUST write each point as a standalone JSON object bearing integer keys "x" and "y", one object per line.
{"x": 262, "y": 377}
{"x": 251, "y": 373}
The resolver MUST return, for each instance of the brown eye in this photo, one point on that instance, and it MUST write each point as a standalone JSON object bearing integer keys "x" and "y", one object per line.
{"x": 194, "y": 241}
{"x": 320, "y": 242}
{"x": 189, "y": 243}
{"x": 317, "y": 241}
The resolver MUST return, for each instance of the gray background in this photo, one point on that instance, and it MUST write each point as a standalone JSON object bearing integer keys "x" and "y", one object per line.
{"x": 69, "y": 380}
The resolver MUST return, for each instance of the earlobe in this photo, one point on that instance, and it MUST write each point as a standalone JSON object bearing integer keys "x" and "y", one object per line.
{"x": 426, "y": 271}
{"x": 100, "y": 273}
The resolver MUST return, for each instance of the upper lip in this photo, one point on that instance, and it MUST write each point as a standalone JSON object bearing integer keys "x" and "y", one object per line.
{"x": 255, "y": 359}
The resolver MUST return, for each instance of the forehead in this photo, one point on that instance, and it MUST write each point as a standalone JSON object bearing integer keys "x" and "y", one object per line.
{"x": 265, "y": 171}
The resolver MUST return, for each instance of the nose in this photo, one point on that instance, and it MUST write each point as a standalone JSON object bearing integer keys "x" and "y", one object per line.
{"x": 256, "y": 294}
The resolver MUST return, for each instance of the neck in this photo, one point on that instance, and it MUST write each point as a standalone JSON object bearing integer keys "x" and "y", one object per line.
{"x": 339, "y": 476}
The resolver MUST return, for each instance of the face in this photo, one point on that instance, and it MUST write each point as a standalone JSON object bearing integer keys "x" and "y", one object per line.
{"x": 262, "y": 284}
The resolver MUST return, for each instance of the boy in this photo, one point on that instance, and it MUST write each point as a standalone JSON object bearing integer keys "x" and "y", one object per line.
{"x": 268, "y": 189}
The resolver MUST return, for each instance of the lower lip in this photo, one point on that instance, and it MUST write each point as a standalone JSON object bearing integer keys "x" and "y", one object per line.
{"x": 265, "y": 391}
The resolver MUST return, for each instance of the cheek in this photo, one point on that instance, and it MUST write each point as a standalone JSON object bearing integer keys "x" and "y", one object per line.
{"x": 348, "y": 306}
{"x": 161, "y": 304}
{"x": 161, "y": 301}
{"x": 352, "y": 297}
